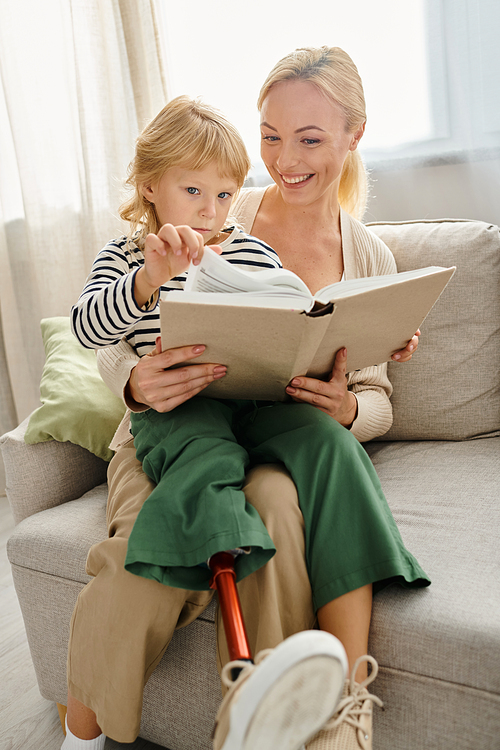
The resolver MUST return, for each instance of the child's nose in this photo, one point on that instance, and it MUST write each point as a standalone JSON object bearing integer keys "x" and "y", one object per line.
{"x": 208, "y": 209}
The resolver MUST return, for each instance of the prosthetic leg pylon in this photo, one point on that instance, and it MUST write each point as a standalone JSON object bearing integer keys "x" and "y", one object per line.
{"x": 224, "y": 582}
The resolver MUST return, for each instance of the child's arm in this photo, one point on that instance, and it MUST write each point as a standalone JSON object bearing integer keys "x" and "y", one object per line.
{"x": 106, "y": 309}
{"x": 112, "y": 302}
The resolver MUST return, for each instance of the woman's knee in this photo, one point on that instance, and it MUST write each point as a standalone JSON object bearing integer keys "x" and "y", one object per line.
{"x": 272, "y": 492}
{"x": 269, "y": 488}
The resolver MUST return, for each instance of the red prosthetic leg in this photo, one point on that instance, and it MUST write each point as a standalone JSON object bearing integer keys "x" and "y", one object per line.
{"x": 224, "y": 582}
{"x": 284, "y": 700}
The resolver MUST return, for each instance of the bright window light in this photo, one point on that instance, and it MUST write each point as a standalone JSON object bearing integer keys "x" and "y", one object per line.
{"x": 223, "y": 51}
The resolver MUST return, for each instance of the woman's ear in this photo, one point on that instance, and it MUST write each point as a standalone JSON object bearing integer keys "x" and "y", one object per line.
{"x": 147, "y": 192}
{"x": 356, "y": 137}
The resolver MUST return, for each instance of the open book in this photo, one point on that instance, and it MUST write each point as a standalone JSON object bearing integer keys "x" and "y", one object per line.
{"x": 267, "y": 327}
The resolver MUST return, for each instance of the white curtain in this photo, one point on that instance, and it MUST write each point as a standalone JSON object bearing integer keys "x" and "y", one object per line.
{"x": 78, "y": 80}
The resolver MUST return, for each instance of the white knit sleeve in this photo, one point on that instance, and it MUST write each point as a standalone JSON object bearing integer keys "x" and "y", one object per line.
{"x": 371, "y": 386}
{"x": 115, "y": 363}
{"x": 372, "y": 389}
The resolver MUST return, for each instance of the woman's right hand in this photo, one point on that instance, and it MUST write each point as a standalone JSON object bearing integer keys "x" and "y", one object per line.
{"x": 154, "y": 384}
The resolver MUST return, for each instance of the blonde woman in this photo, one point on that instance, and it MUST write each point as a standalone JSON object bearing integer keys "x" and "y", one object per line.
{"x": 313, "y": 117}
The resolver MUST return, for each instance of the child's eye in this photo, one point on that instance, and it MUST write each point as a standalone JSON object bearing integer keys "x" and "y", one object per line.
{"x": 224, "y": 195}
{"x": 192, "y": 191}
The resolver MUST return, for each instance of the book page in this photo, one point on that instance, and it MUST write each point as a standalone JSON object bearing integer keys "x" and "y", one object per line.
{"x": 286, "y": 299}
{"x": 346, "y": 288}
{"x": 216, "y": 274}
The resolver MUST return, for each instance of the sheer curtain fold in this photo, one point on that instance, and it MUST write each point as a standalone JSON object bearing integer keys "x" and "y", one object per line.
{"x": 144, "y": 56}
{"x": 78, "y": 80}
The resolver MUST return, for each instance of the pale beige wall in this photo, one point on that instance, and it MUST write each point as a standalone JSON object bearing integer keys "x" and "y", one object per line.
{"x": 470, "y": 190}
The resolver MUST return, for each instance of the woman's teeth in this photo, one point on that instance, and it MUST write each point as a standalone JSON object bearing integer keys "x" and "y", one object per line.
{"x": 291, "y": 180}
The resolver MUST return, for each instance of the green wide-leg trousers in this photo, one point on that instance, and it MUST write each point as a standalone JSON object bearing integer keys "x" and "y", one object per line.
{"x": 198, "y": 455}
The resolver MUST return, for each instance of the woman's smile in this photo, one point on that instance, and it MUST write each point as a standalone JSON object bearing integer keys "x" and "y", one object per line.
{"x": 291, "y": 180}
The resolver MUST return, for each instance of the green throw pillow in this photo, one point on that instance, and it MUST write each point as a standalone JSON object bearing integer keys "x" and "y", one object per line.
{"x": 77, "y": 406}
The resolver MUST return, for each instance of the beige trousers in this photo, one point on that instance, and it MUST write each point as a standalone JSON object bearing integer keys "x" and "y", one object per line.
{"x": 122, "y": 624}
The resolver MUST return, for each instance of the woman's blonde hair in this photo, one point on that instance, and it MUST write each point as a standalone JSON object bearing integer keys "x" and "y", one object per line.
{"x": 186, "y": 133}
{"x": 333, "y": 72}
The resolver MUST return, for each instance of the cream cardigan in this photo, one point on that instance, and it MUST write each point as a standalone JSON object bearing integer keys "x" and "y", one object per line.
{"x": 364, "y": 255}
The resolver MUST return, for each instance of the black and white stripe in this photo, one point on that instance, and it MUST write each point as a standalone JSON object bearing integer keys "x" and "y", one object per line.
{"x": 106, "y": 311}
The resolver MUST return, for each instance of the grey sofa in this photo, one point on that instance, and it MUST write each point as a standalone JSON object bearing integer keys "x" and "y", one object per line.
{"x": 438, "y": 648}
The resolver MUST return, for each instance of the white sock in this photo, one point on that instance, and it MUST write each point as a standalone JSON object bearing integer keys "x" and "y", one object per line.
{"x": 75, "y": 743}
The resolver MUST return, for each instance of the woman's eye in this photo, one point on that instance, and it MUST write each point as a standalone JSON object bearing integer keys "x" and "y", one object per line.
{"x": 192, "y": 191}
{"x": 224, "y": 195}
{"x": 310, "y": 141}
{"x": 270, "y": 138}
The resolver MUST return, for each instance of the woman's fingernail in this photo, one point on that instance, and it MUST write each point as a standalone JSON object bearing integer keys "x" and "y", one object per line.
{"x": 295, "y": 381}
{"x": 218, "y": 375}
{"x": 220, "y": 368}
{"x": 198, "y": 349}
{"x": 289, "y": 389}
{"x": 397, "y": 356}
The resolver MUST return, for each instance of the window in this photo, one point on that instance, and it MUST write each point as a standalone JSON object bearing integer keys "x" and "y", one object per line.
{"x": 222, "y": 51}
{"x": 430, "y": 68}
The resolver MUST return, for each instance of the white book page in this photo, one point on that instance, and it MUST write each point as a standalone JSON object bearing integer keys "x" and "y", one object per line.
{"x": 215, "y": 274}
{"x": 347, "y": 288}
{"x": 286, "y": 299}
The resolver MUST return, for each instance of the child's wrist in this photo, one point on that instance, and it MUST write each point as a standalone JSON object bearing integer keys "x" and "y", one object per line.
{"x": 143, "y": 290}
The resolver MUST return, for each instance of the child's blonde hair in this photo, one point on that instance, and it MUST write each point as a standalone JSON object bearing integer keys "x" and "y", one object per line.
{"x": 333, "y": 72}
{"x": 186, "y": 133}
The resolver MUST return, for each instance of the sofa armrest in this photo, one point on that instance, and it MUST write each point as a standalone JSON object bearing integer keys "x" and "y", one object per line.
{"x": 47, "y": 474}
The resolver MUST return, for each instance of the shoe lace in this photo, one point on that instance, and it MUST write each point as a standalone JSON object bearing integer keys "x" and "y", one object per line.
{"x": 243, "y": 666}
{"x": 351, "y": 708}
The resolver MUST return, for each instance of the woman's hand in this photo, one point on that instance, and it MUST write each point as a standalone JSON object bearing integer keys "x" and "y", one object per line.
{"x": 332, "y": 397}
{"x": 404, "y": 355}
{"x": 152, "y": 382}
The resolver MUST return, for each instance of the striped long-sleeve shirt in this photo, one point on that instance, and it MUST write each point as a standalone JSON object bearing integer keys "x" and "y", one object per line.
{"x": 107, "y": 311}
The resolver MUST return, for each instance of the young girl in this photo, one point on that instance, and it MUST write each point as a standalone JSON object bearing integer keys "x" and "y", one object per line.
{"x": 182, "y": 205}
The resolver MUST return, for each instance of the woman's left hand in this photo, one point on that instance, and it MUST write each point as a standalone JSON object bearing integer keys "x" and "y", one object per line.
{"x": 331, "y": 397}
{"x": 404, "y": 355}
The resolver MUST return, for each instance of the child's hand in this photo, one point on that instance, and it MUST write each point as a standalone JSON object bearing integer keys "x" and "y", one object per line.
{"x": 169, "y": 253}
{"x": 166, "y": 255}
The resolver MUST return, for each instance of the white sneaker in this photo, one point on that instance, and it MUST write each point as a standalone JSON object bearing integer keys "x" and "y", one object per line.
{"x": 351, "y": 726}
{"x": 285, "y": 698}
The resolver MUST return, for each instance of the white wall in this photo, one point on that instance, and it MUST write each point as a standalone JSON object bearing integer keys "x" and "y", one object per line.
{"x": 469, "y": 190}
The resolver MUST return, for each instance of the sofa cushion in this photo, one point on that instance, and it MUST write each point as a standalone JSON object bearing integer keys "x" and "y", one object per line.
{"x": 76, "y": 404}
{"x": 451, "y": 388}
{"x": 444, "y": 498}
